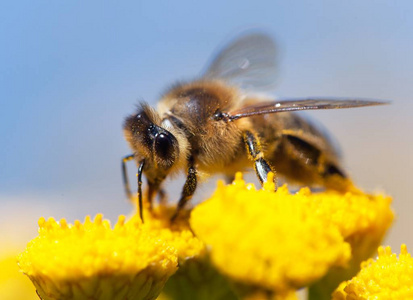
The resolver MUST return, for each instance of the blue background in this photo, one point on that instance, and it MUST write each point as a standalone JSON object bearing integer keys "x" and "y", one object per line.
{"x": 71, "y": 71}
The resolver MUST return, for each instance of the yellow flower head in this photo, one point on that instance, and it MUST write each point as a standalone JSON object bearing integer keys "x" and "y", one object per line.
{"x": 362, "y": 220}
{"x": 387, "y": 277}
{"x": 268, "y": 239}
{"x": 94, "y": 261}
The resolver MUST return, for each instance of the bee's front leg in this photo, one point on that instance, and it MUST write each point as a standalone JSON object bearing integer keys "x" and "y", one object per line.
{"x": 125, "y": 175}
{"x": 261, "y": 166}
{"x": 139, "y": 177}
{"x": 187, "y": 191}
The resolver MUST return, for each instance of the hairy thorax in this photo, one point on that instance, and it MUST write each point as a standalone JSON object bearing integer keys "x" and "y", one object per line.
{"x": 191, "y": 108}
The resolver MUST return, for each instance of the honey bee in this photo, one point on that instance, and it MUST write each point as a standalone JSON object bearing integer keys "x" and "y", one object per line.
{"x": 217, "y": 123}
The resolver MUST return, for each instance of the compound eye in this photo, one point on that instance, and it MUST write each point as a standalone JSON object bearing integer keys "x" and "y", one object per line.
{"x": 165, "y": 147}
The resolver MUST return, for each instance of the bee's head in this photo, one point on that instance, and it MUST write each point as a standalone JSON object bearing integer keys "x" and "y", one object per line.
{"x": 150, "y": 141}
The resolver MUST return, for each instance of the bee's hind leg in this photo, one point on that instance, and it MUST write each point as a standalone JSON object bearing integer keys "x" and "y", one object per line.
{"x": 261, "y": 166}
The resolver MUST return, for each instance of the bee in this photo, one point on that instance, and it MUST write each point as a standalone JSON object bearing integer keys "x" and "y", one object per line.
{"x": 218, "y": 123}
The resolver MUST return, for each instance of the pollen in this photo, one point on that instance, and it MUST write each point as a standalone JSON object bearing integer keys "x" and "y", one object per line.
{"x": 92, "y": 260}
{"x": 273, "y": 240}
{"x": 386, "y": 277}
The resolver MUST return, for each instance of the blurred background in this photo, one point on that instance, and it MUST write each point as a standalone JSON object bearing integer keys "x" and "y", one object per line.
{"x": 71, "y": 72}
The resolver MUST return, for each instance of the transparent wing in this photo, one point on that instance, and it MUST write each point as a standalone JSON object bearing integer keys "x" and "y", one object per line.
{"x": 248, "y": 62}
{"x": 299, "y": 104}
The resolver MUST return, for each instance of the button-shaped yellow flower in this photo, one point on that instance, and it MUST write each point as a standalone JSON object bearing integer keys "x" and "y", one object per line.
{"x": 362, "y": 220}
{"x": 266, "y": 239}
{"x": 388, "y": 277}
{"x": 94, "y": 261}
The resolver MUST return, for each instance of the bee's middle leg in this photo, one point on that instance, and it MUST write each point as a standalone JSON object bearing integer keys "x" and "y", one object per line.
{"x": 261, "y": 166}
{"x": 187, "y": 191}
